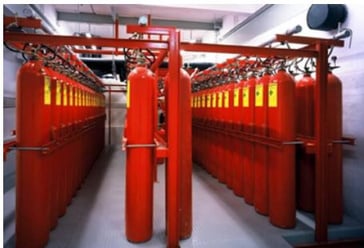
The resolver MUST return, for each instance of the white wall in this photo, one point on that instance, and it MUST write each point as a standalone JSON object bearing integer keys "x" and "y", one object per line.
{"x": 278, "y": 19}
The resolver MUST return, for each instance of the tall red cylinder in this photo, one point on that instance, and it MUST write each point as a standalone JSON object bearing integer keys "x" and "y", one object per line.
{"x": 281, "y": 172}
{"x": 248, "y": 148}
{"x": 334, "y": 132}
{"x": 32, "y": 199}
{"x": 139, "y": 155}
{"x": 261, "y": 151}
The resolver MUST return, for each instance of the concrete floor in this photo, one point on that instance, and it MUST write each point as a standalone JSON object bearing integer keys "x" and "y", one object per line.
{"x": 220, "y": 219}
{"x": 95, "y": 217}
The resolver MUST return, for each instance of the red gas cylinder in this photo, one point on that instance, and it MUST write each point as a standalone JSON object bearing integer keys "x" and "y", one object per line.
{"x": 186, "y": 162}
{"x": 139, "y": 155}
{"x": 305, "y": 127}
{"x": 220, "y": 138}
{"x": 238, "y": 116}
{"x": 248, "y": 147}
{"x": 281, "y": 168}
{"x": 334, "y": 132}
{"x": 33, "y": 125}
{"x": 235, "y": 146}
{"x": 213, "y": 136}
{"x": 231, "y": 141}
{"x": 203, "y": 130}
{"x": 261, "y": 151}
{"x": 51, "y": 161}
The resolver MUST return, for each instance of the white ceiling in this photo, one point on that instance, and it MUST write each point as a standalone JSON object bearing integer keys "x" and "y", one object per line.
{"x": 229, "y": 15}
{"x": 202, "y": 13}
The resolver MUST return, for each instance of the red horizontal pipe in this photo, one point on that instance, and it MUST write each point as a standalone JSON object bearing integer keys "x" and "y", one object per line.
{"x": 246, "y": 50}
{"x": 73, "y": 40}
{"x": 6, "y": 146}
{"x": 308, "y": 40}
{"x": 22, "y": 22}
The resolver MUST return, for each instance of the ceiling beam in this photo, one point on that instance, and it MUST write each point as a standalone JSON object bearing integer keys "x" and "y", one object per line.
{"x": 107, "y": 19}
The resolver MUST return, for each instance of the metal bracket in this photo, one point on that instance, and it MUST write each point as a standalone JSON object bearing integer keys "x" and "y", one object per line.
{"x": 140, "y": 145}
{"x": 28, "y": 148}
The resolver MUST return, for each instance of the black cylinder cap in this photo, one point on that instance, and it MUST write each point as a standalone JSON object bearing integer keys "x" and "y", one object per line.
{"x": 326, "y": 16}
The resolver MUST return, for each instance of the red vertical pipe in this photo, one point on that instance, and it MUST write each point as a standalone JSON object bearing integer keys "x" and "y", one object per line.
{"x": 304, "y": 126}
{"x": 174, "y": 135}
{"x": 186, "y": 158}
{"x": 261, "y": 151}
{"x": 322, "y": 169}
{"x": 32, "y": 177}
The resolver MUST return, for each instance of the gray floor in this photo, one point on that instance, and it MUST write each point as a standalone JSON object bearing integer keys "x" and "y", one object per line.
{"x": 220, "y": 219}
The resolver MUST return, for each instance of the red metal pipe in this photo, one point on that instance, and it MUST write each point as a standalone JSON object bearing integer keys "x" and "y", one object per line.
{"x": 90, "y": 51}
{"x": 321, "y": 183}
{"x": 309, "y": 40}
{"x": 108, "y": 52}
{"x": 159, "y": 60}
{"x": 22, "y": 22}
{"x": 6, "y": 147}
{"x": 73, "y": 40}
{"x": 246, "y": 50}
{"x": 173, "y": 136}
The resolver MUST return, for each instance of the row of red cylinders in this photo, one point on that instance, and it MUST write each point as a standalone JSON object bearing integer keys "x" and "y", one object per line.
{"x": 263, "y": 107}
{"x": 58, "y": 113}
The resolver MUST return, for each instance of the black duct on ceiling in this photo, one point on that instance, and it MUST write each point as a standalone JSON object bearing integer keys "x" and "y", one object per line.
{"x": 326, "y": 17}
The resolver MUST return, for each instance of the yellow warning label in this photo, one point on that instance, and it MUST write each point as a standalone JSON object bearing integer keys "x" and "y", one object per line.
{"x": 77, "y": 97}
{"x": 236, "y": 97}
{"x": 203, "y": 101}
{"x": 58, "y": 93}
{"x": 246, "y": 97}
{"x": 226, "y": 99}
{"x": 208, "y": 100}
{"x": 83, "y": 98}
{"x": 259, "y": 91}
{"x": 47, "y": 90}
{"x": 71, "y": 95}
{"x": 214, "y": 100}
{"x": 65, "y": 95}
{"x": 273, "y": 95}
{"x": 219, "y": 100}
